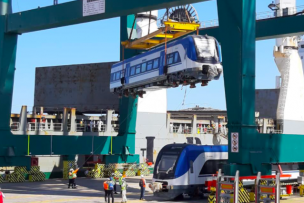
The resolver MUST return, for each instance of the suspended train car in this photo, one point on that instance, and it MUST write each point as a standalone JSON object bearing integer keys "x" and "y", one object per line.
{"x": 190, "y": 60}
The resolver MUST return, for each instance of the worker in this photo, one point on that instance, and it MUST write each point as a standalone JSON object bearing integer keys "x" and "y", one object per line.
{"x": 142, "y": 184}
{"x": 100, "y": 123}
{"x": 72, "y": 178}
{"x": 120, "y": 182}
{"x": 106, "y": 188}
{"x": 91, "y": 126}
{"x": 110, "y": 190}
{"x": 2, "y": 196}
{"x": 123, "y": 190}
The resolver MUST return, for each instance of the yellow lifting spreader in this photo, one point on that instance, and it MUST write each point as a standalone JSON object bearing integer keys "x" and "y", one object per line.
{"x": 172, "y": 30}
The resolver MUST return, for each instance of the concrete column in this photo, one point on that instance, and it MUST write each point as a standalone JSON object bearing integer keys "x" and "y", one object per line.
{"x": 73, "y": 120}
{"x": 216, "y": 122}
{"x": 265, "y": 123}
{"x": 194, "y": 124}
{"x": 23, "y": 119}
{"x": 109, "y": 122}
{"x": 65, "y": 120}
{"x": 169, "y": 126}
{"x": 41, "y": 113}
{"x": 52, "y": 125}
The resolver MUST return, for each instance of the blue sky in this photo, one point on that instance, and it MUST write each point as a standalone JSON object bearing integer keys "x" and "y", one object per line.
{"x": 99, "y": 42}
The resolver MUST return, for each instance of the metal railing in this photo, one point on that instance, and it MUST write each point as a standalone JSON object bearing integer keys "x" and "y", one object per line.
{"x": 88, "y": 128}
{"x": 181, "y": 130}
{"x": 276, "y": 131}
{"x": 15, "y": 126}
{"x": 56, "y": 127}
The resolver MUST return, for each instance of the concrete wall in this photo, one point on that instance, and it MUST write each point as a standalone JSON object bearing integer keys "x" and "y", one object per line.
{"x": 267, "y": 102}
{"x": 84, "y": 86}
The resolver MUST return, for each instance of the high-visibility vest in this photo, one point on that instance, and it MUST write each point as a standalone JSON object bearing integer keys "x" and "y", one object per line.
{"x": 1, "y": 197}
{"x": 123, "y": 186}
{"x": 106, "y": 185}
{"x": 70, "y": 175}
{"x": 144, "y": 182}
{"x": 120, "y": 180}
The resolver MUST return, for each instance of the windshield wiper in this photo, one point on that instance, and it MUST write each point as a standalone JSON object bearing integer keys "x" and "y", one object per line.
{"x": 171, "y": 168}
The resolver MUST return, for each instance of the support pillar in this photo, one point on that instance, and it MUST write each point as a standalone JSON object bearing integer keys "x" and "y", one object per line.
{"x": 194, "y": 124}
{"x": 237, "y": 20}
{"x": 73, "y": 121}
{"x": 109, "y": 122}
{"x": 8, "y": 48}
{"x": 65, "y": 121}
{"x": 150, "y": 148}
{"x": 23, "y": 119}
{"x": 169, "y": 125}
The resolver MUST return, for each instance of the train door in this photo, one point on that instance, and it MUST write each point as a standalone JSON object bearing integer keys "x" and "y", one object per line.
{"x": 192, "y": 176}
{"x": 127, "y": 70}
{"x": 162, "y": 63}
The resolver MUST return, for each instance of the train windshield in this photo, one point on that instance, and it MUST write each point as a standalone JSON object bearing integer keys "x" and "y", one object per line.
{"x": 167, "y": 163}
{"x": 205, "y": 47}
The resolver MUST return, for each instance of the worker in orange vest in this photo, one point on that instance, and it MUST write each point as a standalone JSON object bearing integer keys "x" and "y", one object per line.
{"x": 72, "y": 178}
{"x": 2, "y": 196}
{"x": 142, "y": 184}
{"x": 106, "y": 188}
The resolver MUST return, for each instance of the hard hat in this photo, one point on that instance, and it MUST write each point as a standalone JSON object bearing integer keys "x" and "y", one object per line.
{"x": 113, "y": 174}
{"x": 120, "y": 174}
{"x": 109, "y": 178}
{"x": 142, "y": 176}
{"x": 71, "y": 169}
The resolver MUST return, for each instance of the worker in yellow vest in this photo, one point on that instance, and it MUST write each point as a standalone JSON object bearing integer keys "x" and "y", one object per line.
{"x": 123, "y": 186}
{"x": 72, "y": 178}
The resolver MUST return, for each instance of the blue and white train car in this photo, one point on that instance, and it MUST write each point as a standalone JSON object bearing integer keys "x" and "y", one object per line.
{"x": 184, "y": 168}
{"x": 192, "y": 59}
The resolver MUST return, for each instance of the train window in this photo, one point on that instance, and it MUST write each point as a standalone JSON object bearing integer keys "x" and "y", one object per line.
{"x": 112, "y": 76}
{"x": 137, "y": 70}
{"x": 212, "y": 166}
{"x": 176, "y": 57}
{"x": 117, "y": 75}
{"x": 167, "y": 163}
{"x": 149, "y": 65}
{"x": 170, "y": 59}
{"x": 156, "y": 62}
{"x": 143, "y": 67}
{"x": 132, "y": 70}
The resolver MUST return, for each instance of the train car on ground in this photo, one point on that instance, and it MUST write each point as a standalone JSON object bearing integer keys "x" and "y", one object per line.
{"x": 183, "y": 169}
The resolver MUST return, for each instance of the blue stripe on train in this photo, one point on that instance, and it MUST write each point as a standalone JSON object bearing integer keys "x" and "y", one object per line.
{"x": 193, "y": 151}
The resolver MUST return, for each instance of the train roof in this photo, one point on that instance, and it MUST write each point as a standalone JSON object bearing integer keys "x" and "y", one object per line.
{"x": 193, "y": 147}
{"x": 170, "y": 44}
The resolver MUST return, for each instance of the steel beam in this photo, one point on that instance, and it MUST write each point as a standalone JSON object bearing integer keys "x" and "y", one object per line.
{"x": 70, "y": 13}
